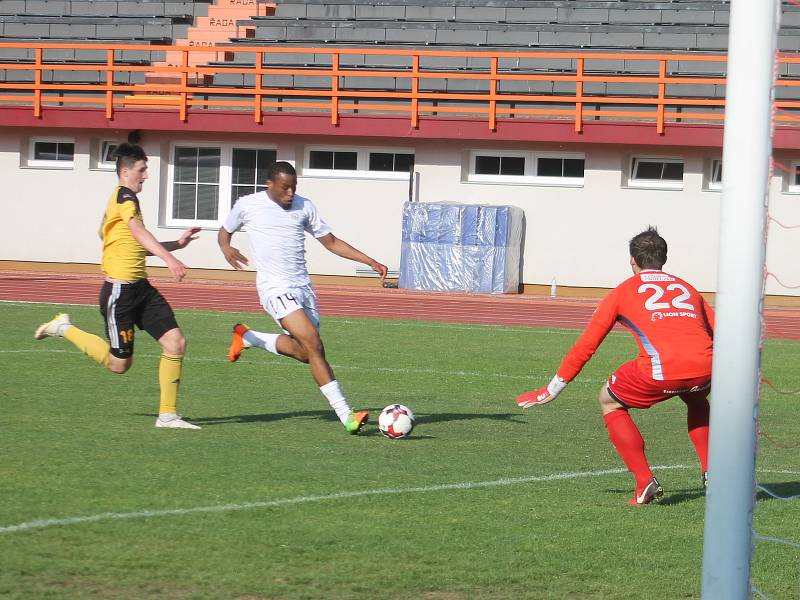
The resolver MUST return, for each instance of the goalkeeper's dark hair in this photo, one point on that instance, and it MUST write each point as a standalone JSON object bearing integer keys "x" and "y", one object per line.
{"x": 649, "y": 249}
{"x": 128, "y": 155}
{"x": 279, "y": 167}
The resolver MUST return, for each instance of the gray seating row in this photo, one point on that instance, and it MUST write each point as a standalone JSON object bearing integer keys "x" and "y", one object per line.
{"x": 106, "y": 8}
{"x": 523, "y": 35}
{"x": 531, "y": 63}
{"x": 86, "y": 55}
{"x": 523, "y": 3}
{"x": 111, "y": 28}
{"x": 73, "y": 76}
{"x": 573, "y": 11}
{"x": 470, "y": 85}
{"x": 72, "y": 27}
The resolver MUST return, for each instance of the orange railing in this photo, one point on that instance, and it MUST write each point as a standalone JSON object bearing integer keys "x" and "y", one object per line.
{"x": 192, "y": 87}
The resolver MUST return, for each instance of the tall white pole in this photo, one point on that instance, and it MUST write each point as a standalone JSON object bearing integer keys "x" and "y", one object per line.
{"x": 747, "y": 146}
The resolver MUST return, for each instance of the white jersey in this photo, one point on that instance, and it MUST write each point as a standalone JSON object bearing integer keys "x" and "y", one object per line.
{"x": 277, "y": 238}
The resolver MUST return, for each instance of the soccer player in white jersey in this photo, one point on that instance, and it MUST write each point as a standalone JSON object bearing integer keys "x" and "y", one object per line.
{"x": 276, "y": 221}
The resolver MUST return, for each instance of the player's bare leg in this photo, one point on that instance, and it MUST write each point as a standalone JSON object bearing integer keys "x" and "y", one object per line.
{"x": 119, "y": 365}
{"x": 305, "y": 344}
{"x": 629, "y": 444}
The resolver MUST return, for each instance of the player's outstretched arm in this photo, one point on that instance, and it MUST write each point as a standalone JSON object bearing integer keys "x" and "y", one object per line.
{"x": 542, "y": 395}
{"x": 345, "y": 250}
{"x": 235, "y": 258}
{"x": 600, "y": 324}
{"x": 156, "y": 248}
{"x": 188, "y": 236}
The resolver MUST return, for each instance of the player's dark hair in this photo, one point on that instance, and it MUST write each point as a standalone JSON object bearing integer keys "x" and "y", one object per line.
{"x": 279, "y": 167}
{"x": 649, "y": 249}
{"x": 128, "y": 155}
{"x": 135, "y": 137}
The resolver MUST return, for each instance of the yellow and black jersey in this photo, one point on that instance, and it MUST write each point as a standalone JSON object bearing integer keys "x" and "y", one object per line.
{"x": 123, "y": 256}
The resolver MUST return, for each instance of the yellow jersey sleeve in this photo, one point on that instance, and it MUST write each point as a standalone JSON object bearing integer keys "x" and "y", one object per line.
{"x": 123, "y": 256}
{"x": 129, "y": 210}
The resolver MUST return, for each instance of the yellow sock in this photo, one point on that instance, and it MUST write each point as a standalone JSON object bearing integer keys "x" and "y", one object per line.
{"x": 169, "y": 378}
{"x": 92, "y": 346}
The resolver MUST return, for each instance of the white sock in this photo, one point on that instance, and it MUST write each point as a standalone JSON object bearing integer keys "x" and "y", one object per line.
{"x": 167, "y": 417}
{"x": 267, "y": 341}
{"x": 336, "y": 399}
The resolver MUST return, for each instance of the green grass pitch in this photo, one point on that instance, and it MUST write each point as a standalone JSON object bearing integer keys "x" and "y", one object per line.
{"x": 483, "y": 502}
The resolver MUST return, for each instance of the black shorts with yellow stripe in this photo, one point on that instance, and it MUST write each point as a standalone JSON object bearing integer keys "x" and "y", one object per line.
{"x": 124, "y": 305}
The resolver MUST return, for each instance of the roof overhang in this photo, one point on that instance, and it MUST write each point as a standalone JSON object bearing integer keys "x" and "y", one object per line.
{"x": 384, "y": 126}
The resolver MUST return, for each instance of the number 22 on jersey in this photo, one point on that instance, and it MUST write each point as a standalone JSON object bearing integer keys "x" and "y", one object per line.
{"x": 653, "y": 301}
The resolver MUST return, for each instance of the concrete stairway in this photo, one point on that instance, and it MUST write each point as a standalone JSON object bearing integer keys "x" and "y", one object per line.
{"x": 219, "y": 26}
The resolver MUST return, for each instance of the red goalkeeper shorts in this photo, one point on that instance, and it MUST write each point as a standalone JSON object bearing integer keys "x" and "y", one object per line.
{"x": 633, "y": 389}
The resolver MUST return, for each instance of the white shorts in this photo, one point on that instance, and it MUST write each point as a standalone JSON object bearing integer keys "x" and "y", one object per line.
{"x": 279, "y": 303}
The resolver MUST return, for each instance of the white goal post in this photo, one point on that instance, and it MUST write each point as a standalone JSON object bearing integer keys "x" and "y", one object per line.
{"x": 747, "y": 148}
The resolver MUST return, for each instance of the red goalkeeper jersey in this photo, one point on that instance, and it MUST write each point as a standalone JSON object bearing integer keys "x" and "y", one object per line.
{"x": 672, "y": 323}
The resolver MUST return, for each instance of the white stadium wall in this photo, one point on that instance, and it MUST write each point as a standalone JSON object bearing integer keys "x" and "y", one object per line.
{"x": 575, "y": 234}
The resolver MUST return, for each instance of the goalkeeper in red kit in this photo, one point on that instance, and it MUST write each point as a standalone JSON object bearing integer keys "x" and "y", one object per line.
{"x": 674, "y": 327}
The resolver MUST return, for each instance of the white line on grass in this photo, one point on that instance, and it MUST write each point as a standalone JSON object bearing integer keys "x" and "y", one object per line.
{"x": 29, "y": 302}
{"x": 779, "y": 472}
{"x": 405, "y": 322}
{"x": 764, "y": 538}
{"x": 492, "y": 327}
{"x": 468, "y": 485}
{"x": 281, "y": 364}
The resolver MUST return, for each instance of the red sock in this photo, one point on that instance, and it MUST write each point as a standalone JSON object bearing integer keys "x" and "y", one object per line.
{"x": 697, "y": 425}
{"x": 629, "y": 444}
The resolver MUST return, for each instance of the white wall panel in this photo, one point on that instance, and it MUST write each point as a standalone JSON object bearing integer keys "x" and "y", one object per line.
{"x": 578, "y": 235}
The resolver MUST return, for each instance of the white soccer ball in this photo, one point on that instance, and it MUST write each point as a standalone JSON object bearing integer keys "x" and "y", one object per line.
{"x": 396, "y": 421}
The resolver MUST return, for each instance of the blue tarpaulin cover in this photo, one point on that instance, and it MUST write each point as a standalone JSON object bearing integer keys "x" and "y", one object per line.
{"x": 447, "y": 246}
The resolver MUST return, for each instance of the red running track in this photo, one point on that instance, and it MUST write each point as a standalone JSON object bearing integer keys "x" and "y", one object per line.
{"x": 537, "y": 311}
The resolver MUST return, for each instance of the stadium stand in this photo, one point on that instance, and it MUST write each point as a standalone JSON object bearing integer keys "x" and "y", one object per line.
{"x": 678, "y": 26}
{"x": 531, "y": 26}
{"x": 145, "y": 22}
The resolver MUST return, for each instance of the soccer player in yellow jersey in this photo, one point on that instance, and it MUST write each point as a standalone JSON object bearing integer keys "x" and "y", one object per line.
{"x": 127, "y": 298}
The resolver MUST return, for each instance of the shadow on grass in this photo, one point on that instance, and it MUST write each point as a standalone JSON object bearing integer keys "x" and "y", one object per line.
{"x": 784, "y": 491}
{"x": 681, "y": 496}
{"x": 670, "y": 498}
{"x": 328, "y": 415}
{"x": 325, "y": 415}
{"x": 442, "y": 417}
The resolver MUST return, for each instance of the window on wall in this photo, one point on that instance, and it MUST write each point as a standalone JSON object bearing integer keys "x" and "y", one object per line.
{"x": 664, "y": 173}
{"x": 249, "y": 171}
{"x": 394, "y": 162}
{"x": 376, "y": 163}
{"x": 206, "y": 180}
{"x": 486, "y": 164}
{"x": 715, "y": 175}
{"x": 333, "y": 160}
{"x": 108, "y": 152}
{"x": 104, "y": 154}
{"x": 195, "y": 187}
{"x": 51, "y": 152}
{"x": 534, "y": 168}
{"x": 549, "y": 166}
{"x": 792, "y": 179}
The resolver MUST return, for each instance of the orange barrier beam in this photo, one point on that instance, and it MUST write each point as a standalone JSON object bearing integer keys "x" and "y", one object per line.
{"x": 190, "y": 88}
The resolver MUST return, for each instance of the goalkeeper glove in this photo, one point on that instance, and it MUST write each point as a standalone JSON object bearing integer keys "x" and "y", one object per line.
{"x": 543, "y": 395}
